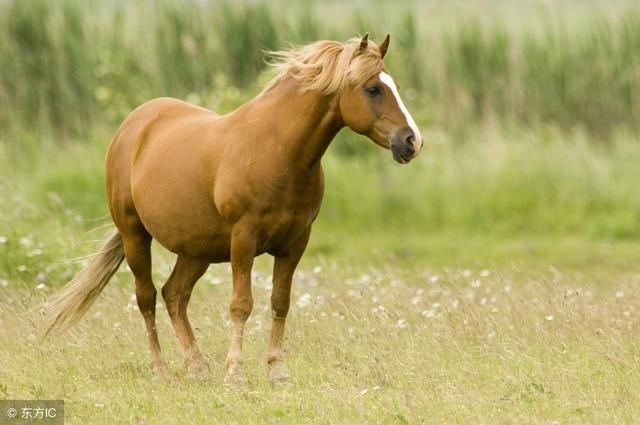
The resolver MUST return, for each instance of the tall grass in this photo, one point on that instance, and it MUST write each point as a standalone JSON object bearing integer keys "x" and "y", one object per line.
{"x": 514, "y": 185}
{"x": 499, "y": 184}
{"x": 71, "y": 65}
{"x": 510, "y": 114}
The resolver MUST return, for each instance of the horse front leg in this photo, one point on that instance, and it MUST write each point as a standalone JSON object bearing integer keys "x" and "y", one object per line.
{"x": 243, "y": 249}
{"x": 283, "y": 268}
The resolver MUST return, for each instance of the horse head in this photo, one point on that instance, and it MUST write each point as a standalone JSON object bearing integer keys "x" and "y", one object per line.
{"x": 375, "y": 109}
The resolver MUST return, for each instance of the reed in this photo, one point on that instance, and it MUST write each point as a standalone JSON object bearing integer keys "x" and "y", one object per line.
{"x": 70, "y": 66}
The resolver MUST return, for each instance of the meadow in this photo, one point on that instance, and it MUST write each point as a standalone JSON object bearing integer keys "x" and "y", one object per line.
{"x": 492, "y": 280}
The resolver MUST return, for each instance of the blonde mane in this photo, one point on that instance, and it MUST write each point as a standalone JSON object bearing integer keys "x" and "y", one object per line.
{"x": 329, "y": 67}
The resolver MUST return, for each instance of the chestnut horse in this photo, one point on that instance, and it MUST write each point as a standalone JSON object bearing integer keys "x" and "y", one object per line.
{"x": 216, "y": 188}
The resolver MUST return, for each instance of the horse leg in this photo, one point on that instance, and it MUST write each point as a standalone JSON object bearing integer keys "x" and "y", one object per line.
{"x": 176, "y": 293}
{"x": 283, "y": 269}
{"x": 137, "y": 250}
{"x": 243, "y": 249}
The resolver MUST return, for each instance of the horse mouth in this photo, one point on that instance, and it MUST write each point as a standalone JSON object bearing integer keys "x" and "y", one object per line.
{"x": 401, "y": 159}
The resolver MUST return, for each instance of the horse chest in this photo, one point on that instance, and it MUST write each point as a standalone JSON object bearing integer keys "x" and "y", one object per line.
{"x": 282, "y": 218}
{"x": 275, "y": 231}
{"x": 278, "y": 207}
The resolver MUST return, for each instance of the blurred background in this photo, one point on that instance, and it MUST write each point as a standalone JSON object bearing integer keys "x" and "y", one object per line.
{"x": 530, "y": 111}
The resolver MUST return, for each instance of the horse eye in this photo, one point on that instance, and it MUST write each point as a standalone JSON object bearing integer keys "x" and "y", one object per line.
{"x": 374, "y": 91}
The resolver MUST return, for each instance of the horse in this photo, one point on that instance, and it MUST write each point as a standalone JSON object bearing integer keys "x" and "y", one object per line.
{"x": 227, "y": 188}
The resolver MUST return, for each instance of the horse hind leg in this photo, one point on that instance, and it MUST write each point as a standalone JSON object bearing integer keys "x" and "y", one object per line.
{"x": 176, "y": 293}
{"x": 137, "y": 248}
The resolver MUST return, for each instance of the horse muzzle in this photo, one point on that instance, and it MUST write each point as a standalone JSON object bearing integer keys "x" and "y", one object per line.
{"x": 405, "y": 145}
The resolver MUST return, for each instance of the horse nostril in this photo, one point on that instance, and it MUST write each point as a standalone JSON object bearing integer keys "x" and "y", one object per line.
{"x": 410, "y": 139}
{"x": 409, "y": 144}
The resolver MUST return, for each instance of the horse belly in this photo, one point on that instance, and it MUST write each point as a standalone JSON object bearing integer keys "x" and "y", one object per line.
{"x": 185, "y": 223}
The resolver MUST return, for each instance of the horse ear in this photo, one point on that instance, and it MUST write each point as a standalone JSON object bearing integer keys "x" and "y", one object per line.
{"x": 364, "y": 43}
{"x": 384, "y": 46}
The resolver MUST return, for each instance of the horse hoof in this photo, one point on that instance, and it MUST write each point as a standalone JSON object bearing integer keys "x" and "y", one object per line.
{"x": 159, "y": 370}
{"x": 235, "y": 378}
{"x": 196, "y": 369}
{"x": 278, "y": 373}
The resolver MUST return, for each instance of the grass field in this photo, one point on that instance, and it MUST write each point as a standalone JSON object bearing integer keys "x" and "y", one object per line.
{"x": 493, "y": 280}
{"x": 372, "y": 342}
{"x": 393, "y": 321}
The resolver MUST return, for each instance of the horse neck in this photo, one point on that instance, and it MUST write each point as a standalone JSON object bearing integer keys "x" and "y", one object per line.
{"x": 303, "y": 124}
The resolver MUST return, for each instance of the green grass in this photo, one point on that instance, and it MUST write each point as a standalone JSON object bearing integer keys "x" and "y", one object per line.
{"x": 496, "y": 193}
{"x": 518, "y": 183}
{"x": 491, "y": 281}
{"x": 378, "y": 343}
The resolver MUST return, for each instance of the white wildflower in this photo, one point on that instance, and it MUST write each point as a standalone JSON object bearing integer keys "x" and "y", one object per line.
{"x": 378, "y": 309}
{"x": 132, "y": 305}
{"x": 215, "y": 280}
{"x": 365, "y": 278}
{"x": 353, "y": 294}
{"x": 35, "y": 252}
{"x": 26, "y": 241}
{"x": 428, "y": 313}
{"x": 304, "y": 300}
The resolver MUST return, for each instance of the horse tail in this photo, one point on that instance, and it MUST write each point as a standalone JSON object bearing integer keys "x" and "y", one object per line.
{"x": 71, "y": 302}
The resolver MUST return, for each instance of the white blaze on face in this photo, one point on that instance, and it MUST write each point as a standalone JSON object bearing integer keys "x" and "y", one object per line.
{"x": 388, "y": 81}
